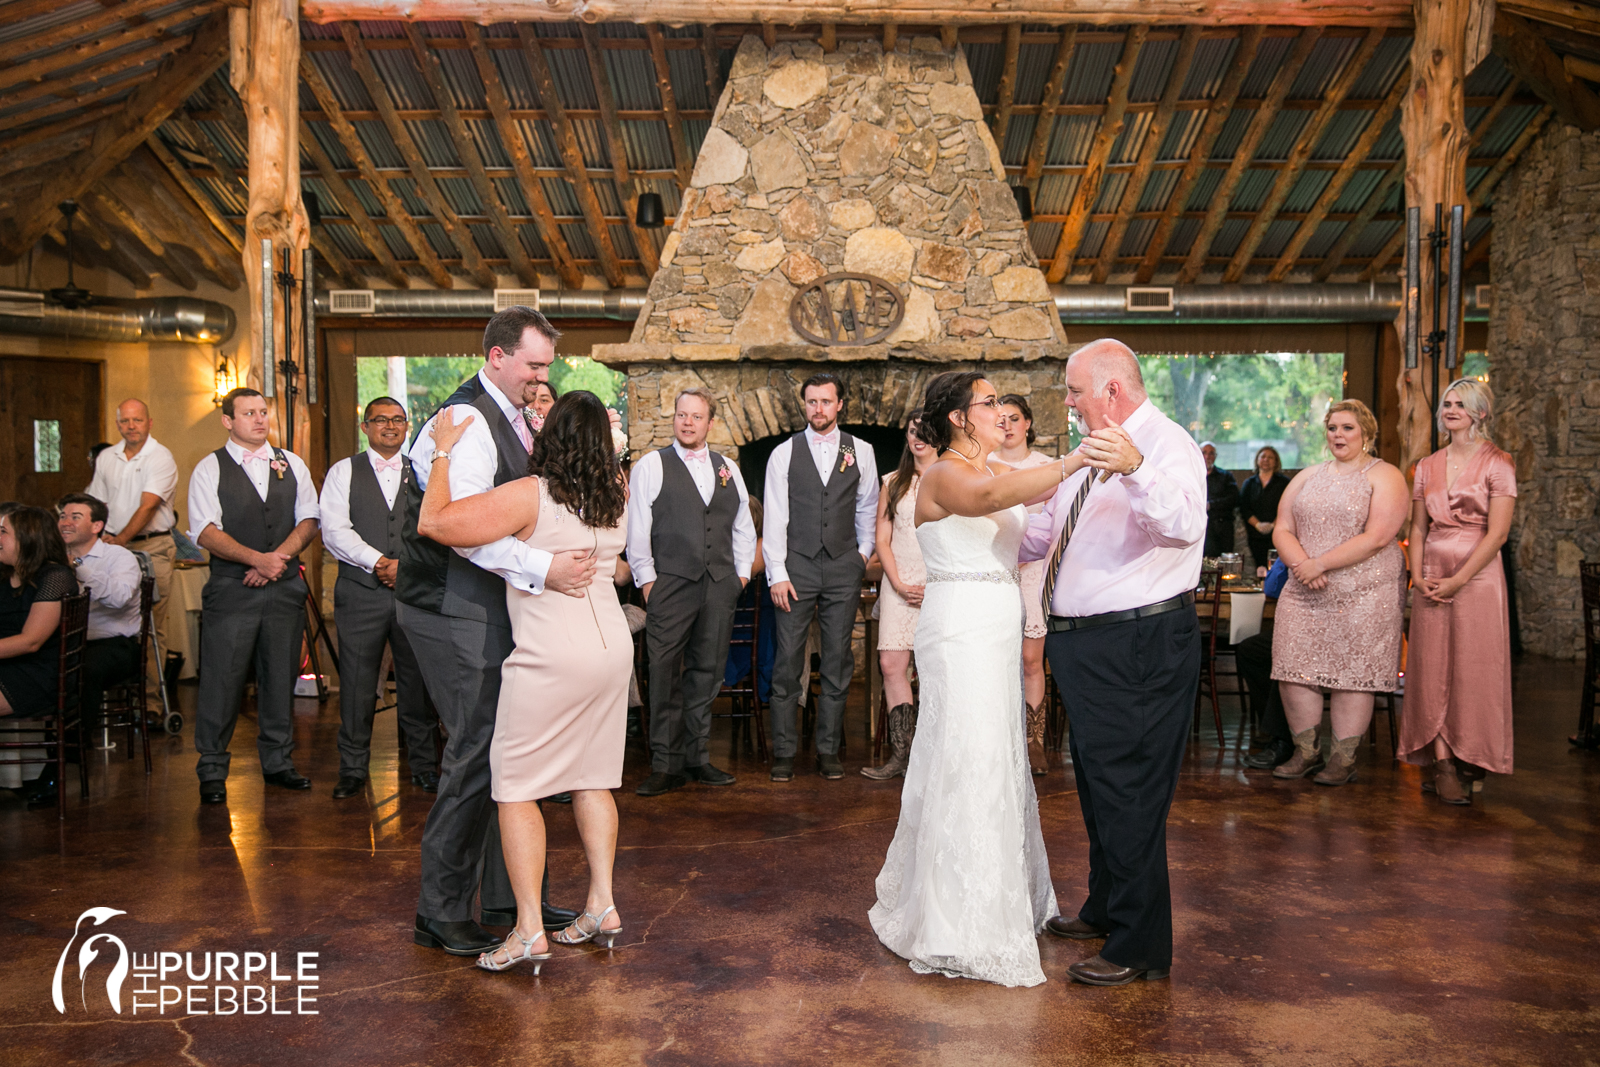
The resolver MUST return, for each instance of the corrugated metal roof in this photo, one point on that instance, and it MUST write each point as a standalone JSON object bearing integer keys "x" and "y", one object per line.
{"x": 1388, "y": 60}
{"x": 1094, "y": 235}
{"x": 1157, "y": 190}
{"x": 1136, "y": 236}
{"x": 1327, "y": 60}
{"x": 1034, "y": 60}
{"x": 1089, "y": 74}
{"x": 1282, "y": 135}
{"x": 1488, "y": 78}
{"x": 1373, "y": 238}
{"x": 1045, "y": 236}
{"x": 1253, "y": 188}
{"x": 1212, "y": 58}
{"x": 1055, "y": 194}
{"x": 1272, "y": 54}
{"x": 1229, "y": 234}
{"x": 1321, "y": 241}
{"x": 1111, "y": 190}
{"x": 1151, "y": 72}
{"x": 1276, "y": 237}
{"x": 1183, "y": 235}
{"x": 1126, "y": 148}
{"x": 1071, "y": 140}
{"x": 1306, "y": 189}
{"x": 986, "y": 61}
{"x": 1019, "y": 135}
{"x": 1356, "y": 190}
{"x": 1233, "y": 131}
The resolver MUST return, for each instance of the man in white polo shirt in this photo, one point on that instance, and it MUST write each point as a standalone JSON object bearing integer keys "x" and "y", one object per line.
{"x": 138, "y": 483}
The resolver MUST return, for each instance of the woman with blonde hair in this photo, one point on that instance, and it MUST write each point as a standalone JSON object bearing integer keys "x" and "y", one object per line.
{"x": 1338, "y": 622}
{"x": 1458, "y": 674}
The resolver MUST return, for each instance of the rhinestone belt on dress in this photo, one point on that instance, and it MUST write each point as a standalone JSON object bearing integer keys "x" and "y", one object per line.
{"x": 1010, "y": 577}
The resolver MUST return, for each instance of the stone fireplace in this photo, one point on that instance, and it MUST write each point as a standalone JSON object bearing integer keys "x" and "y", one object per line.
{"x": 850, "y": 161}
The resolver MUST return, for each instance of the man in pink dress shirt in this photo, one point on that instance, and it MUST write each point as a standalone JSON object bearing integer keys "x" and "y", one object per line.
{"x": 1124, "y": 647}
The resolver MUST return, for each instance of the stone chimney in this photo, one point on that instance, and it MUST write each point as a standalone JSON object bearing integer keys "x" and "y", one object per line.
{"x": 850, "y": 161}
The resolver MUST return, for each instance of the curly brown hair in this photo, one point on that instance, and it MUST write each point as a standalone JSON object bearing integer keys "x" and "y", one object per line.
{"x": 575, "y": 457}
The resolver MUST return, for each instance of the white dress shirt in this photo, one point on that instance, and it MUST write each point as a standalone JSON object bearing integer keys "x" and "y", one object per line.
{"x": 644, "y": 485}
{"x": 206, "y": 510}
{"x": 775, "y": 498}
{"x": 112, "y": 576}
{"x": 338, "y": 532}
{"x": 1140, "y": 536}
{"x": 120, "y": 484}
{"x": 473, "y": 462}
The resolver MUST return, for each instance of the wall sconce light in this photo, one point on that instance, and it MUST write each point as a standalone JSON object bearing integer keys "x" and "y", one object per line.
{"x": 651, "y": 215}
{"x": 226, "y": 379}
{"x": 1024, "y": 201}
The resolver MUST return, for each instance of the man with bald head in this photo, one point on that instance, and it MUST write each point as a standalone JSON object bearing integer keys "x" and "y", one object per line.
{"x": 138, "y": 483}
{"x": 1123, "y": 557}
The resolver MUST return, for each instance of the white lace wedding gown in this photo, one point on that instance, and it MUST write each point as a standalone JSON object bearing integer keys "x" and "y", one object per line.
{"x": 965, "y": 888}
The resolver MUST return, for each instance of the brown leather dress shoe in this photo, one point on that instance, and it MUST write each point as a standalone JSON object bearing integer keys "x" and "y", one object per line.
{"x": 1096, "y": 971}
{"x": 1074, "y": 928}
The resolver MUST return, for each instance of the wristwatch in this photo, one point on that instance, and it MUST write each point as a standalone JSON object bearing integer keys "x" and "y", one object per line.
{"x": 438, "y": 456}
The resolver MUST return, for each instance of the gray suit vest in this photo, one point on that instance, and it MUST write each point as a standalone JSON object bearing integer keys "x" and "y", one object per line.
{"x": 688, "y": 537}
{"x": 254, "y": 523}
{"x": 378, "y": 524}
{"x": 822, "y": 518}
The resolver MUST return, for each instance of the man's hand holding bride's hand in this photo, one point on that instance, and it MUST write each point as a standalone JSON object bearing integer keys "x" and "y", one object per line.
{"x": 1110, "y": 449}
{"x": 782, "y": 594}
{"x": 446, "y": 431}
{"x": 571, "y": 572}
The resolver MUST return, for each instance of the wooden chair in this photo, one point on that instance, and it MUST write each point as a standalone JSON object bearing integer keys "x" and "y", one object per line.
{"x": 67, "y": 715}
{"x": 1589, "y": 579}
{"x": 1209, "y": 605}
{"x": 125, "y": 702}
{"x": 745, "y": 695}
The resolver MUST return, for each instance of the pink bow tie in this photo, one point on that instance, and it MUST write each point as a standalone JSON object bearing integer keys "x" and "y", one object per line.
{"x": 381, "y": 464}
{"x": 262, "y": 455}
{"x": 703, "y": 456}
{"x": 828, "y": 438}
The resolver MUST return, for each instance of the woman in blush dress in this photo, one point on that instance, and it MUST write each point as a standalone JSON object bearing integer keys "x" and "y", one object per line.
{"x": 1458, "y": 672}
{"x": 1018, "y": 453}
{"x": 1337, "y": 626}
{"x": 900, "y": 595}
{"x": 562, "y": 719}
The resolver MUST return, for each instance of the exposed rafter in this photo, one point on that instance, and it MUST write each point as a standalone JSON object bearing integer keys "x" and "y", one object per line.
{"x": 109, "y": 247}
{"x": 115, "y": 213}
{"x": 68, "y": 32}
{"x": 186, "y": 182}
{"x": 142, "y": 181}
{"x": 1007, "y": 91}
{"x": 682, "y": 158}
{"x": 37, "y": 70}
{"x": 710, "y": 56}
{"x": 66, "y": 84}
{"x": 364, "y": 224}
{"x": 1530, "y": 59}
{"x": 628, "y": 186}
{"x": 1045, "y": 124}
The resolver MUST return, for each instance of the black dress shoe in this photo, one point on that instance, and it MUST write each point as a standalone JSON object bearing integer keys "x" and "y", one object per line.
{"x": 551, "y": 918}
{"x": 829, "y": 767}
{"x": 1074, "y": 928}
{"x": 214, "y": 792}
{"x": 287, "y": 779}
{"x": 783, "y": 770}
{"x": 427, "y": 781}
{"x": 661, "y": 782}
{"x": 1096, "y": 971}
{"x": 560, "y": 798}
{"x": 1269, "y": 757}
{"x": 42, "y": 791}
{"x": 463, "y": 938}
{"x": 348, "y": 786}
{"x": 706, "y": 774}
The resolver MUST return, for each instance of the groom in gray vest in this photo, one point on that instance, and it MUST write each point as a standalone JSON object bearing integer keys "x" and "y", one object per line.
{"x": 820, "y": 509}
{"x": 363, "y": 514}
{"x": 452, "y": 606}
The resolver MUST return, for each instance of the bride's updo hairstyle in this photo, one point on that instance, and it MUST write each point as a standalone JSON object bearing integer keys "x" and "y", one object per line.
{"x": 574, "y": 454}
{"x": 949, "y": 392}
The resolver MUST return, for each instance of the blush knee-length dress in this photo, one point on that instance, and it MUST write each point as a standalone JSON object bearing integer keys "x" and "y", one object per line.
{"x": 562, "y": 719}
{"x": 897, "y": 620}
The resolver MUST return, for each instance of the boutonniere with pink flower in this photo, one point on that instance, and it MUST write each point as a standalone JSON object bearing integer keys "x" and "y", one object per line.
{"x": 280, "y": 465}
{"x": 847, "y": 458}
{"x": 724, "y": 473}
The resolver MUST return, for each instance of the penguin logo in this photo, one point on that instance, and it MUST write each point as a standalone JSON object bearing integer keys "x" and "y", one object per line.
{"x": 87, "y": 955}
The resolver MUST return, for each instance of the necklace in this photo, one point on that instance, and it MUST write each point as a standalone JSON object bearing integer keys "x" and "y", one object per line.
{"x": 971, "y": 463}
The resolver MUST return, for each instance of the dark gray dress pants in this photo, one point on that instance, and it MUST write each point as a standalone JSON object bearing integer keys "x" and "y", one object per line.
{"x": 366, "y": 622}
{"x": 687, "y": 627}
{"x": 830, "y": 588}
{"x": 240, "y": 626}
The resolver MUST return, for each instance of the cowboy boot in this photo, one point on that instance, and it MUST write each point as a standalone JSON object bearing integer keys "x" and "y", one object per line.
{"x": 1341, "y": 766}
{"x": 1305, "y": 759}
{"x": 901, "y": 731}
{"x": 1038, "y": 760}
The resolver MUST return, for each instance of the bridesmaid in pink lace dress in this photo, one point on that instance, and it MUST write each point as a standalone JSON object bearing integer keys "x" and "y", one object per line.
{"x": 1018, "y": 453}
{"x": 1458, "y": 677}
{"x": 1338, "y": 621}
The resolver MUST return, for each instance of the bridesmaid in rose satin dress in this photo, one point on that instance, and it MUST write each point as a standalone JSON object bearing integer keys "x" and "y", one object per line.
{"x": 1458, "y": 678}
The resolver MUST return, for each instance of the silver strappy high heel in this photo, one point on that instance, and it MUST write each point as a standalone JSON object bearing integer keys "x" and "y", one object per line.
{"x": 486, "y": 960}
{"x": 577, "y": 935}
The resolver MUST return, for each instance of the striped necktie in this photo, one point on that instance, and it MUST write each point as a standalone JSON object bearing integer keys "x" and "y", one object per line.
{"x": 1054, "y": 570}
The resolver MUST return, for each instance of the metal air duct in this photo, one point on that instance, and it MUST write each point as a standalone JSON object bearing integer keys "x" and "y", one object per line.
{"x": 166, "y": 318}
{"x": 1273, "y": 302}
{"x": 622, "y": 305}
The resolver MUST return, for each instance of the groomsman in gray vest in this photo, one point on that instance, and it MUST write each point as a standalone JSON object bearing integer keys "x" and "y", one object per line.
{"x": 363, "y": 514}
{"x": 691, "y": 544}
{"x": 253, "y": 506}
{"x": 820, "y": 504}
{"x": 452, "y": 606}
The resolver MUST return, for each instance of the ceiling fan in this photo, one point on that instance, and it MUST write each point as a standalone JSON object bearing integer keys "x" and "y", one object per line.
{"x": 71, "y": 296}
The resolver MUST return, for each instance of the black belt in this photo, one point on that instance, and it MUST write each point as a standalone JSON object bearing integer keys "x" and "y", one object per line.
{"x": 147, "y": 536}
{"x": 1062, "y": 623}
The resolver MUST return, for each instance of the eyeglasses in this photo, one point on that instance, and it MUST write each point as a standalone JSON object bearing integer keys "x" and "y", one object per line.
{"x": 388, "y": 420}
{"x": 993, "y": 404}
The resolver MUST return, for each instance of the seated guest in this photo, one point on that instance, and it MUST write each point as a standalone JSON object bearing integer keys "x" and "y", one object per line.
{"x": 1222, "y": 499}
{"x": 363, "y": 512}
{"x": 111, "y": 574}
{"x": 254, "y": 508}
{"x": 34, "y": 578}
{"x": 1254, "y": 655}
{"x": 1258, "y": 502}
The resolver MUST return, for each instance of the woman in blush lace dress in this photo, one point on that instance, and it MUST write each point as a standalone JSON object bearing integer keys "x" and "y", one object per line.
{"x": 965, "y": 888}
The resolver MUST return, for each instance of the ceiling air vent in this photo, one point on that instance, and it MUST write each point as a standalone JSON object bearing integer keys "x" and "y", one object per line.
{"x": 1152, "y": 298}
{"x": 1483, "y": 297}
{"x": 509, "y": 298}
{"x": 352, "y": 302}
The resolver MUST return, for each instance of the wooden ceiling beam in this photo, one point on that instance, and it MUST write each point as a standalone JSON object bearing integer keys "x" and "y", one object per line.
{"x": 202, "y": 199}
{"x": 710, "y": 59}
{"x": 42, "y": 150}
{"x": 42, "y": 68}
{"x": 114, "y": 138}
{"x": 1007, "y": 89}
{"x": 387, "y": 265}
{"x": 1133, "y": 189}
{"x": 64, "y": 86}
{"x": 628, "y": 185}
{"x": 467, "y": 151}
{"x": 111, "y": 253}
{"x": 70, "y": 103}
{"x": 55, "y": 37}
{"x": 1200, "y": 152}
{"x": 1088, "y": 188}
{"x": 1260, "y": 123}
{"x": 394, "y": 208}
{"x": 1564, "y": 13}
{"x": 1530, "y": 59}
{"x": 1487, "y": 183}
{"x": 1045, "y": 124}
{"x": 682, "y": 158}
{"x": 516, "y": 147}
{"x": 117, "y": 215}
{"x": 460, "y": 233}
{"x": 567, "y": 145}
{"x": 144, "y": 197}
{"x": 1341, "y": 177}
{"x": 193, "y": 218}
{"x": 1310, "y": 134}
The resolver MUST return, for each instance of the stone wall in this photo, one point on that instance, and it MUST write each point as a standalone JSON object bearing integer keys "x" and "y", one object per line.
{"x": 1544, "y": 352}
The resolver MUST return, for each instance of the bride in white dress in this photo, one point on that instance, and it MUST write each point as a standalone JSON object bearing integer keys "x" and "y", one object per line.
{"x": 965, "y": 888}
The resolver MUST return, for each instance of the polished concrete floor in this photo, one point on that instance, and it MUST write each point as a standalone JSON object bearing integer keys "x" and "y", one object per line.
{"x": 1362, "y": 925}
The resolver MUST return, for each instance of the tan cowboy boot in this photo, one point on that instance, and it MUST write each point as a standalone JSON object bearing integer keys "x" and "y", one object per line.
{"x": 901, "y": 731}
{"x": 1038, "y": 759}
{"x": 1341, "y": 767}
{"x": 1305, "y": 759}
